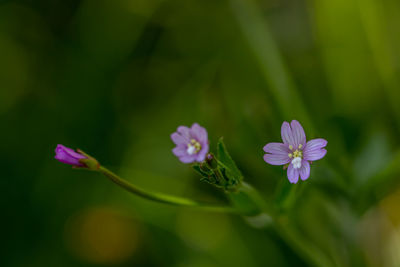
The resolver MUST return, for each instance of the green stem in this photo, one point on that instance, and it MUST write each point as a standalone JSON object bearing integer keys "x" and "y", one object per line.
{"x": 246, "y": 202}
{"x": 305, "y": 249}
{"x": 163, "y": 198}
{"x": 249, "y": 201}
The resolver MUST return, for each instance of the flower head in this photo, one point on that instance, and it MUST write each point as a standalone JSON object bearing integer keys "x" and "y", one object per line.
{"x": 295, "y": 151}
{"x": 191, "y": 143}
{"x": 69, "y": 156}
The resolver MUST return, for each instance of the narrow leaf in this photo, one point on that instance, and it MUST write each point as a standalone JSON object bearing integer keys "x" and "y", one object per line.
{"x": 226, "y": 159}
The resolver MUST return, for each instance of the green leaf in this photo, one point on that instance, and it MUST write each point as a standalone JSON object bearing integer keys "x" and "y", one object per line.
{"x": 225, "y": 158}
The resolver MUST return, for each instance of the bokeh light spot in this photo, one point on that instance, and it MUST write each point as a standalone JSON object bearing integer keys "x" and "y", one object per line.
{"x": 102, "y": 236}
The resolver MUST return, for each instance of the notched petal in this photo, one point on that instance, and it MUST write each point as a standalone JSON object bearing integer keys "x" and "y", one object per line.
{"x": 316, "y": 154}
{"x": 316, "y": 144}
{"x": 276, "y": 159}
{"x": 184, "y": 131}
{"x": 188, "y": 158}
{"x": 286, "y": 133}
{"x": 298, "y": 133}
{"x": 314, "y": 149}
{"x": 179, "y": 151}
{"x": 199, "y": 133}
{"x": 304, "y": 170}
{"x": 293, "y": 174}
{"x": 276, "y": 148}
{"x": 178, "y": 139}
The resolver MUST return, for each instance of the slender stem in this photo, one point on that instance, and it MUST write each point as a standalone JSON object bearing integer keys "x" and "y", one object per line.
{"x": 163, "y": 198}
{"x": 250, "y": 200}
{"x": 305, "y": 249}
{"x": 308, "y": 253}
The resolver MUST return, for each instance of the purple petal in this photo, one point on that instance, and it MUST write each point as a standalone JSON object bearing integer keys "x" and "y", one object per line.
{"x": 184, "y": 131}
{"x": 314, "y": 149}
{"x": 179, "y": 139}
{"x": 188, "y": 158}
{"x": 286, "y": 133}
{"x": 277, "y": 148}
{"x": 183, "y": 137}
{"x": 316, "y": 143}
{"x": 72, "y": 152}
{"x": 304, "y": 170}
{"x": 198, "y": 133}
{"x": 201, "y": 156}
{"x": 63, "y": 157}
{"x": 314, "y": 155}
{"x": 277, "y": 159}
{"x": 179, "y": 151}
{"x": 298, "y": 133}
{"x": 68, "y": 156}
{"x": 292, "y": 174}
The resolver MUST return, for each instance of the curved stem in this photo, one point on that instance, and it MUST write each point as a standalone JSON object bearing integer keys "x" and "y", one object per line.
{"x": 248, "y": 201}
{"x": 163, "y": 198}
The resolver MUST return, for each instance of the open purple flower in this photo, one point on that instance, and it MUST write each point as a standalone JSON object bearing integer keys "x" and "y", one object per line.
{"x": 295, "y": 151}
{"x": 69, "y": 156}
{"x": 191, "y": 143}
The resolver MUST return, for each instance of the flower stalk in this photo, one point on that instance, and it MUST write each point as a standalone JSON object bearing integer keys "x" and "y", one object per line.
{"x": 79, "y": 159}
{"x": 162, "y": 198}
{"x": 245, "y": 200}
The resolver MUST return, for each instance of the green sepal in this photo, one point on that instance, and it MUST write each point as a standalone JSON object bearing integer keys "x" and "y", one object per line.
{"x": 220, "y": 171}
{"x": 89, "y": 162}
{"x": 207, "y": 175}
{"x": 197, "y": 168}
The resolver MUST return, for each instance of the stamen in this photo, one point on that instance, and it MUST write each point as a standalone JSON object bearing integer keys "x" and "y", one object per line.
{"x": 300, "y": 146}
{"x": 290, "y": 155}
{"x": 193, "y": 147}
{"x": 290, "y": 147}
{"x": 297, "y": 153}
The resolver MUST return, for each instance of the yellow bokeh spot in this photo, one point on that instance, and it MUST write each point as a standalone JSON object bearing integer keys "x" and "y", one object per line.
{"x": 391, "y": 206}
{"x": 102, "y": 236}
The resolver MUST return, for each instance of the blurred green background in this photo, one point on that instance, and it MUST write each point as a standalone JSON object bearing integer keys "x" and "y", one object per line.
{"x": 115, "y": 78}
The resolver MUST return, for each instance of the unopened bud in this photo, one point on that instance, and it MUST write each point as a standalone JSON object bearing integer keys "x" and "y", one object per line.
{"x": 211, "y": 161}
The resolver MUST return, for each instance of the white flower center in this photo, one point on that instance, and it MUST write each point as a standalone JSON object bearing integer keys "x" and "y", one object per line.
{"x": 296, "y": 162}
{"x": 297, "y": 155}
{"x": 193, "y": 147}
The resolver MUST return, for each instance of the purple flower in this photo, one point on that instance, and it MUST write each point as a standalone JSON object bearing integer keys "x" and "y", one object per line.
{"x": 295, "y": 151}
{"x": 69, "y": 156}
{"x": 191, "y": 143}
